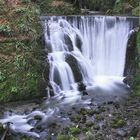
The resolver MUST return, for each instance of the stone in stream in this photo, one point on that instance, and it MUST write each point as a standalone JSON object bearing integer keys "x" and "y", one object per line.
{"x": 121, "y": 132}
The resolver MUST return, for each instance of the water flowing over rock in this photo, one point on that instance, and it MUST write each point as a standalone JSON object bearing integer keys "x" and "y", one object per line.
{"x": 97, "y": 44}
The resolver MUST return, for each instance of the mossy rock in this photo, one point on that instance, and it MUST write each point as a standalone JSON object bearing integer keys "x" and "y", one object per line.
{"x": 93, "y": 112}
{"x": 76, "y": 118}
{"x": 89, "y": 124}
{"x": 83, "y": 111}
{"x": 99, "y": 118}
{"x": 118, "y": 123}
{"x": 96, "y": 127}
{"x": 89, "y": 136}
{"x": 63, "y": 137}
{"x": 75, "y": 130}
{"x": 101, "y": 109}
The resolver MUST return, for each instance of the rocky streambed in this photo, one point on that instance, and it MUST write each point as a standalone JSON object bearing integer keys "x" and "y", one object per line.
{"x": 112, "y": 119}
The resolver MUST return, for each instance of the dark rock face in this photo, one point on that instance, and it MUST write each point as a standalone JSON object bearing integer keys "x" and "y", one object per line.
{"x": 73, "y": 64}
{"x": 68, "y": 42}
{"x": 131, "y": 57}
{"x": 44, "y": 80}
{"x": 79, "y": 43}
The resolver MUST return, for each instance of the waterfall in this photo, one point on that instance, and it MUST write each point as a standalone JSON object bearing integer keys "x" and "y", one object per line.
{"x": 97, "y": 44}
{"x": 82, "y": 50}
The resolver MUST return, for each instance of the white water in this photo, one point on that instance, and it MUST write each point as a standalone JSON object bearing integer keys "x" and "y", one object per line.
{"x": 19, "y": 124}
{"x": 100, "y": 53}
{"x": 106, "y": 44}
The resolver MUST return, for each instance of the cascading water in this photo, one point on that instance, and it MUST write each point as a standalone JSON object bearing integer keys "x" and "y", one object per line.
{"x": 98, "y": 44}
{"x": 106, "y": 40}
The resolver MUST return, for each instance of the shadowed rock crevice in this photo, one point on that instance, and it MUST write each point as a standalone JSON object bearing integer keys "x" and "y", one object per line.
{"x": 131, "y": 62}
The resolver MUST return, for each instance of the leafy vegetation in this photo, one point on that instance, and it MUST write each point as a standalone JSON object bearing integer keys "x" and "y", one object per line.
{"x": 110, "y": 6}
{"x": 20, "y": 55}
{"x": 51, "y": 7}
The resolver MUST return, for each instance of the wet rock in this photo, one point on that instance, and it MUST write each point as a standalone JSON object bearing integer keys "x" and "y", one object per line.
{"x": 138, "y": 135}
{"x": 84, "y": 93}
{"x": 101, "y": 109}
{"x": 96, "y": 127}
{"x": 89, "y": 124}
{"x": 131, "y": 57}
{"x": 81, "y": 86}
{"x": 1, "y": 127}
{"x": 110, "y": 102}
{"x": 79, "y": 43}
{"x": 121, "y": 133}
{"x": 44, "y": 135}
{"x": 83, "y": 119}
{"x": 2, "y": 108}
{"x": 99, "y": 118}
{"x": 39, "y": 128}
{"x": 93, "y": 112}
{"x": 37, "y": 117}
{"x": 134, "y": 132}
{"x": 83, "y": 111}
{"x": 74, "y": 66}
{"x": 68, "y": 42}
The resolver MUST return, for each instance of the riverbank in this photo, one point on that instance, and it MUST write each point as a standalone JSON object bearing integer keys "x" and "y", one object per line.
{"x": 115, "y": 119}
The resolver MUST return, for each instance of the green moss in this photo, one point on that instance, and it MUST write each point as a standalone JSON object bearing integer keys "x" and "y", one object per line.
{"x": 75, "y": 130}
{"x": 76, "y": 118}
{"x": 83, "y": 111}
{"x": 118, "y": 123}
{"x": 63, "y": 137}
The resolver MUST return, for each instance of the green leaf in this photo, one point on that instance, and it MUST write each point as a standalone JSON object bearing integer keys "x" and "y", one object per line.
{"x": 14, "y": 89}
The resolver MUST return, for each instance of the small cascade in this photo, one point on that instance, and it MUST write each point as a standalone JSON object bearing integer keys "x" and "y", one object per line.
{"x": 97, "y": 44}
{"x": 61, "y": 41}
